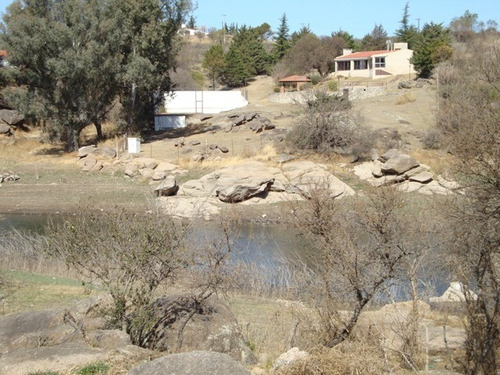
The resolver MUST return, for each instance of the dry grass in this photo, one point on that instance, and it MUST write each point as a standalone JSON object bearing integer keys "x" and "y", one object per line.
{"x": 439, "y": 161}
{"x": 407, "y": 97}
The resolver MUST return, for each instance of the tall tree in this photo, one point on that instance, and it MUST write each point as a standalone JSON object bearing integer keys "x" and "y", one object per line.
{"x": 282, "y": 41}
{"x": 149, "y": 45}
{"x": 77, "y": 57}
{"x": 67, "y": 58}
{"x": 464, "y": 28}
{"x": 376, "y": 40}
{"x": 432, "y": 47}
{"x": 247, "y": 56}
{"x": 213, "y": 62}
{"x": 407, "y": 33}
{"x": 311, "y": 52}
{"x": 296, "y": 35}
{"x": 348, "y": 38}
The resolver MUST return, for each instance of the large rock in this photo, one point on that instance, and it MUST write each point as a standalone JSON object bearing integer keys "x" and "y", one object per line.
{"x": 86, "y": 150}
{"x": 454, "y": 293}
{"x": 59, "y": 340}
{"x": 167, "y": 187}
{"x": 287, "y": 361}
{"x": 240, "y": 189}
{"x": 193, "y": 363}
{"x": 11, "y": 117}
{"x": 399, "y": 164}
{"x": 4, "y": 128}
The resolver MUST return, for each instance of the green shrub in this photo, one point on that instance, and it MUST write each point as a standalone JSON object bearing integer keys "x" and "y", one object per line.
{"x": 332, "y": 86}
{"x": 315, "y": 79}
{"x": 277, "y": 89}
{"x": 98, "y": 368}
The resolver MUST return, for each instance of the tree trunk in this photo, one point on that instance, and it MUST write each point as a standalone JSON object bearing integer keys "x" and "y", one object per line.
{"x": 98, "y": 128}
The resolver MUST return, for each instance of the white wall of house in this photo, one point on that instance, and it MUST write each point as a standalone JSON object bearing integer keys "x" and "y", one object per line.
{"x": 397, "y": 62}
{"x": 190, "y": 102}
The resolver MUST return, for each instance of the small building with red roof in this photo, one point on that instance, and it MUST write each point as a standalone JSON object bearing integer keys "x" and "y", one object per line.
{"x": 293, "y": 83}
{"x": 375, "y": 64}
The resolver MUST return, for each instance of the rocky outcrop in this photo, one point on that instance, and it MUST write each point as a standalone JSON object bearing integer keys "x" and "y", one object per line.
{"x": 192, "y": 363}
{"x": 9, "y": 177}
{"x": 454, "y": 293}
{"x": 252, "y": 183}
{"x": 60, "y": 339}
{"x": 397, "y": 168}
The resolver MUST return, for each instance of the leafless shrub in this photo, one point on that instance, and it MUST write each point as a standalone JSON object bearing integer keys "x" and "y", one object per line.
{"x": 432, "y": 139}
{"x": 129, "y": 254}
{"x": 325, "y": 125}
{"x": 468, "y": 117}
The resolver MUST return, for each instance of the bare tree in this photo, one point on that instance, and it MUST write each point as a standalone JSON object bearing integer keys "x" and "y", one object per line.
{"x": 359, "y": 252}
{"x": 130, "y": 255}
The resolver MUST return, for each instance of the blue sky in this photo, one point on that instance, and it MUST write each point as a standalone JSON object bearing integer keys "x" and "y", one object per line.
{"x": 358, "y": 17}
{"x": 324, "y": 16}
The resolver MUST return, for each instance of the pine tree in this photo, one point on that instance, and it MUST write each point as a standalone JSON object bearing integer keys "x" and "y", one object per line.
{"x": 282, "y": 42}
{"x": 407, "y": 33}
{"x": 213, "y": 62}
{"x": 432, "y": 47}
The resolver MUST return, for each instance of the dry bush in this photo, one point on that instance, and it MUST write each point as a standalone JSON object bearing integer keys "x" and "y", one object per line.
{"x": 432, "y": 139}
{"x": 363, "y": 356}
{"x": 326, "y": 125}
{"x": 407, "y": 97}
{"x": 468, "y": 117}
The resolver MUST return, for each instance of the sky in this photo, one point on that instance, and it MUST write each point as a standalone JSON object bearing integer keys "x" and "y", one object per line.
{"x": 358, "y": 17}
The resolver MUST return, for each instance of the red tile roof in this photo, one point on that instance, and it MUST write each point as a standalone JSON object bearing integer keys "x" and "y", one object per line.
{"x": 295, "y": 78}
{"x": 3, "y": 53}
{"x": 362, "y": 55}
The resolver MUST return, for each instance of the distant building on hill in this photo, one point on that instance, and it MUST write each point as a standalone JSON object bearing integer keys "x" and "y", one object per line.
{"x": 375, "y": 64}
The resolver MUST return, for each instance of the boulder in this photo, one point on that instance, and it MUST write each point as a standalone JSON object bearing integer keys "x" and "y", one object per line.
{"x": 167, "y": 187}
{"x": 240, "y": 189}
{"x": 404, "y": 85}
{"x": 4, "y": 128}
{"x": 422, "y": 177}
{"x": 224, "y": 149}
{"x": 392, "y": 153}
{"x": 287, "y": 361}
{"x": 454, "y": 293}
{"x": 158, "y": 175}
{"x": 88, "y": 163}
{"x": 107, "y": 151}
{"x": 86, "y": 150}
{"x": 194, "y": 143}
{"x": 97, "y": 166}
{"x": 399, "y": 164}
{"x": 146, "y": 173}
{"x": 192, "y": 363}
{"x": 11, "y": 117}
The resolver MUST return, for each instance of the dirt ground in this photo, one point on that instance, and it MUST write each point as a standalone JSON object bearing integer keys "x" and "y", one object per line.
{"x": 51, "y": 181}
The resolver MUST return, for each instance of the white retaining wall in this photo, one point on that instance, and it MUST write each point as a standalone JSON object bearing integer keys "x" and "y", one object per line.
{"x": 190, "y": 102}
{"x": 163, "y": 122}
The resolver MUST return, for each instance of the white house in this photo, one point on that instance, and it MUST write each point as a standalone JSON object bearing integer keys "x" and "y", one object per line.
{"x": 375, "y": 64}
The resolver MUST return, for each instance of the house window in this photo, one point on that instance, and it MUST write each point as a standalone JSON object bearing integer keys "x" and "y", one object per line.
{"x": 344, "y": 65}
{"x": 379, "y": 62}
{"x": 360, "y": 64}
